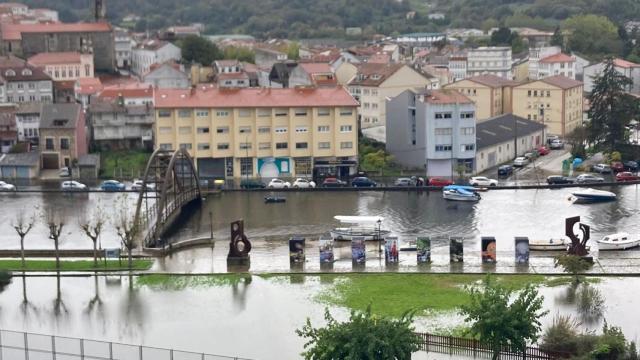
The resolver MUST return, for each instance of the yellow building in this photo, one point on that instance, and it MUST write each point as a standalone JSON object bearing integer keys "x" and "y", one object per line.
{"x": 490, "y": 93}
{"x": 555, "y": 101}
{"x": 253, "y": 132}
{"x": 520, "y": 70}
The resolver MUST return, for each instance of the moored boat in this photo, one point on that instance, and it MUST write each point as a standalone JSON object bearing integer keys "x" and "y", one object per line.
{"x": 411, "y": 245}
{"x": 460, "y": 193}
{"x": 593, "y": 195}
{"x": 270, "y": 199}
{"x": 549, "y": 245}
{"x": 618, "y": 241}
{"x": 368, "y": 227}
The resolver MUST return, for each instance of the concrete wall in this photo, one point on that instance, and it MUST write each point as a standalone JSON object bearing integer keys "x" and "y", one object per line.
{"x": 101, "y": 44}
{"x": 504, "y": 152}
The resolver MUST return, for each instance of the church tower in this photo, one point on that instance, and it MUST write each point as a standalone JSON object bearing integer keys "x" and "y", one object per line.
{"x": 100, "y": 13}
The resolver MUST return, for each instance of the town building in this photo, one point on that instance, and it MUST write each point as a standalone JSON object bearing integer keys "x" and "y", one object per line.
{"x": 27, "y": 40}
{"x": 432, "y": 130}
{"x": 63, "y": 135}
{"x": 457, "y": 68}
{"x": 152, "y": 52}
{"x": 555, "y": 101}
{"x": 345, "y": 71}
{"x": 64, "y": 66}
{"x": 312, "y": 74}
{"x": 128, "y": 94}
{"x": 22, "y": 82}
{"x": 22, "y": 166}
{"x": 167, "y": 75}
{"x": 85, "y": 89}
{"x": 493, "y": 60}
{"x": 501, "y": 139}
{"x": 558, "y": 64}
{"x": 280, "y": 73}
{"x": 534, "y": 37}
{"x": 266, "y": 57}
{"x": 231, "y": 74}
{"x": 8, "y": 129}
{"x": 123, "y": 48}
{"x": 538, "y": 53}
{"x": 490, "y": 93}
{"x": 624, "y": 67}
{"x": 375, "y": 82}
{"x": 28, "y": 122}
{"x": 251, "y": 132}
{"x": 117, "y": 126}
{"x": 520, "y": 70}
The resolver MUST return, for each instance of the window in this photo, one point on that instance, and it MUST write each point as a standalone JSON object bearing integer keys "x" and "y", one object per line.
{"x": 374, "y": 105}
{"x": 264, "y": 146}
{"x": 203, "y": 146}
{"x": 48, "y": 144}
{"x": 264, "y": 112}
{"x": 165, "y": 130}
{"x": 548, "y": 93}
{"x": 245, "y": 146}
{"x": 223, "y": 146}
{"x": 365, "y": 105}
{"x": 467, "y": 131}
{"x": 324, "y": 112}
{"x": 443, "y": 147}
{"x": 281, "y": 130}
{"x": 222, "y": 113}
{"x": 281, "y": 112}
{"x": 245, "y": 129}
{"x": 202, "y": 112}
{"x": 165, "y": 146}
{"x": 183, "y": 113}
{"x": 87, "y": 70}
{"x": 184, "y": 130}
{"x": 32, "y": 85}
{"x": 246, "y": 166}
{"x": 264, "y": 130}
{"x": 282, "y": 145}
{"x": 300, "y": 112}
{"x": 467, "y": 147}
{"x": 374, "y": 92}
{"x": 467, "y": 115}
{"x": 529, "y": 93}
{"x": 346, "y": 145}
{"x": 222, "y": 130}
{"x": 443, "y": 131}
{"x": 203, "y": 130}
{"x": 164, "y": 113}
{"x": 365, "y": 91}
{"x": 185, "y": 146}
{"x": 535, "y": 93}
{"x": 302, "y": 129}
{"x": 346, "y": 111}
{"x": 346, "y": 128}
{"x": 20, "y": 98}
{"x": 302, "y": 145}
{"x": 303, "y": 166}
{"x": 323, "y": 128}
{"x": 325, "y": 145}
{"x": 244, "y": 113}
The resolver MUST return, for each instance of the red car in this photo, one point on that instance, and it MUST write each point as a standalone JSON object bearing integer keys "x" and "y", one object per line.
{"x": 542, "y": 150}
{"x": 617, "y": 166}
{"x": 626, "y": 176}
{"x": 439, "y": 182}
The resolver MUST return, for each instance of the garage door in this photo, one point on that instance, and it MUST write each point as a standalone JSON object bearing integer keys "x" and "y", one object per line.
{"x": 50, "y": 161}
{"x": 22, "y": 172}
{"x": 491, "y": 160}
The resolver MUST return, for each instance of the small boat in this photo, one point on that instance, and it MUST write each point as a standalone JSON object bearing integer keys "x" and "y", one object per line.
{"x": 270, "y": 199}
{"x": 549, "y": 245}
{"x": 411, "y": 245}
{"x": 593, "y": 195}
{"x": 619, "y": 241}
{"x": 460, "y": 193}
{"x": 368, "y": 227}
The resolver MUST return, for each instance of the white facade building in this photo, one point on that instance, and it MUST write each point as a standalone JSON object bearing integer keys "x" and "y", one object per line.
{"x": 123, "y": 48}
{"x": 457, "y": 68}
{"x": 538, "y": 53}
{"x": 153, "y": 52}
{"x": 626, "y": 68}
{"x": 495, "y": 60}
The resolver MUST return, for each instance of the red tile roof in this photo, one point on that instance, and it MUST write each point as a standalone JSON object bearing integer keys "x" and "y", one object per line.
{"x": 208, "y": 96}
{"x": 561, "y": 82}
{"x": 374, "y": 74}
{"x": 15, "y": 31}
{"x": 558, "y": 58}
{"x": 316, "y": 68}
{"x": 445, "y": 97}
{"x": 381, "y": 58}
{"x": 624, "y": 63}
{"x": 135, "y": 90}
{"x": 87, "y": 86}
{"x": 43, "y": 59}
{"x": 490, "y": 80}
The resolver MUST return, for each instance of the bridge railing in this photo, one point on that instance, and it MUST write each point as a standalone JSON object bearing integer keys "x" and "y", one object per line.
{"x": 16, "y": 345}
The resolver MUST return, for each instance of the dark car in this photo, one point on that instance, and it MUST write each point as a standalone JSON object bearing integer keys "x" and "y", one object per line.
{"x": 112, "y": 185}
{"x": 505, "y": 170}
{"x": 436, "y": 181}
{"x": 251, "y": 184}
{"x": 630, "y": 166}
{"x": 333, "y": 182}
{"x": 626, "y": 176}
{"x": 363, "y": 182}
{"x": 557, "y": 179}
{"x": 617, "y": 166}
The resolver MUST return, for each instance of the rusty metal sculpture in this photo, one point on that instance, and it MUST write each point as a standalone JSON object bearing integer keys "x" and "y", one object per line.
{"x": 577, "y": 247}
{"x": 239, "y": 246}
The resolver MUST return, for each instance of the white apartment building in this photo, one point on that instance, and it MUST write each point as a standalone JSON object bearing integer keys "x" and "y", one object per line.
{"x": 495, "y": 60}
{"x": 457, "y": 68}
{"x": 626, "y": 68}
{"x": 538, "y": 53}
{"x": 558, "y": 64}
{"x": 123, "y": 48}
{"x": 153, "y": 52}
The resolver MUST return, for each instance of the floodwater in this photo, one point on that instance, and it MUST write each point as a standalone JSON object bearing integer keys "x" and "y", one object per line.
{"x": 254, "y": 318}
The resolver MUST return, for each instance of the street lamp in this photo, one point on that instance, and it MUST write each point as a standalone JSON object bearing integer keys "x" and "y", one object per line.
{"x": 379, "y": 222}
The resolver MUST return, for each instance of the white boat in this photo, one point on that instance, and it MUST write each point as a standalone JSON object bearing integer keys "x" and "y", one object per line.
{"x": 549, "y": 245}
{"x": 618, "y": 241}
{"x": 369, "y": 227}
{"x": 460, "y": 193}
{"x": 411, "y": 245}
{"x": 593, "y": 195}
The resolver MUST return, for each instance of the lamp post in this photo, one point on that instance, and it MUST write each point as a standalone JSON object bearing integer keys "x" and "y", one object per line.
{"x": 379, "y": 222}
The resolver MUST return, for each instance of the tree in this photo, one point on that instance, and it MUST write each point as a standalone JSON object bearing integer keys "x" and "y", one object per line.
{"x": 577, "y": 139}
{"x": 500, "y": 322}
{"x": 92, "y": 227}
{"x": 502, "y": 36}
{"x": 363, "y": 337}
{"x": 557, "y": 39}
{"x": 573, "y": 264}
{"x": 22, "y": 225}
{"x": 611, "y": 108}
{"x": 199, "y": 50}
{"x": 293, "y": 51}
{"x": 55, "y": 221}
{"x": 592, "y": 35}
{"x": 377, "y": 160}
{"x": 127, "y": 227}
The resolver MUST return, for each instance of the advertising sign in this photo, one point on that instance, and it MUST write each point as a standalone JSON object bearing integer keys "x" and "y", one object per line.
{"x": 522, "y": 250}
{"x": 456, "y": 250}
{"x": 296, "y": 249}
{"x": 326, "y": 250}
{"x": 273, "y": 167}
{"x": 423, "y": 247}
{"x": 488, "y": 249}
{"x": 358, "y": 250}
{"x": 391, "y": 250}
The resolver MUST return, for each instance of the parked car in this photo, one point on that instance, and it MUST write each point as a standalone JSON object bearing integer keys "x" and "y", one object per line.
{"x": 601, "y": 168}
{"x": 588, "y": 178}
{"x": 436, "y": 181}
{"x": 278, "y": 184}
{"x": 482, "y": 181}
{"x": 303, "y": 184}
{"x": 64, "y": 172}
{"x": 617, "y": 166}
{"x": 557, "y": 179}
{"x": 7, "y": 187}
{"x": 556, "y": 144}
{"x": 531, "y": 155}
{"x": 404, "y": 182}
{"x": 251, "y": 184}
{"x": 552, "y": 138}
{"x": 362, "y": 181}
{"x": 520, "y": 161}
{"x": 543, "y": 150}
{"x": 138, "y": 184}
{"x": 630, "y": 166}
{"x": 505, "y": 170}
{"x": 112, "y": 185}
{"x": 73, "y": 185}
{"x": 332, "y": 182}
{"x": 626, "y": 176}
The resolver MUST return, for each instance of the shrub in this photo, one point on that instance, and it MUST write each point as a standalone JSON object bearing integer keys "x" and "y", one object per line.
{"x": 573, "y": 264}
{"x": 590, "y": 303}
{"x": 5, "y": 279}
{"x": 561, "y": 336}
{"x": 615, "y": 156}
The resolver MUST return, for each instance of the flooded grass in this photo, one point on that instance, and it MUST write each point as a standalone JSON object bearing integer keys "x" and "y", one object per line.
{"x": 181, "y": 282}
{"x": 73, "y": 265}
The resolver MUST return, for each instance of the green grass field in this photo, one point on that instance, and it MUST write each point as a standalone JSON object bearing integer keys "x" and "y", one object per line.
{"x": 73, "y": 265}
{"x": 123, "y": 164}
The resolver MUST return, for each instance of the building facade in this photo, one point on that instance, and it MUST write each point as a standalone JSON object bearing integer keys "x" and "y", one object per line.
{"x": 242, "y": 133}
{"x": 494, "y": 60}
{"x": 457, "y": 68}
{"x": 554, "y": 101}
{"x": 153, "y": 52}
{"x": 626, "y": 68}
{"x": 490, "y": 93}
{"x": 28, "y": 122}
{"x": 167, "y": 75}
{"x": 123, "y": 46}
{"x": 66, "y": 66}
{"x": 538, "y": 53}
{"x": 63, "y": 135}
{"x": 558, "y": 64}
{"x": 116, "y": 127}
{"x": 312, "y": 74}
{"x": 434, "y": 130}
{"x": 23, "y": 83}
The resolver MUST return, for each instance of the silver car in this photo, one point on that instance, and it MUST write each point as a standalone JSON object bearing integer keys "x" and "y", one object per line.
{"x": 588, "y": 178}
